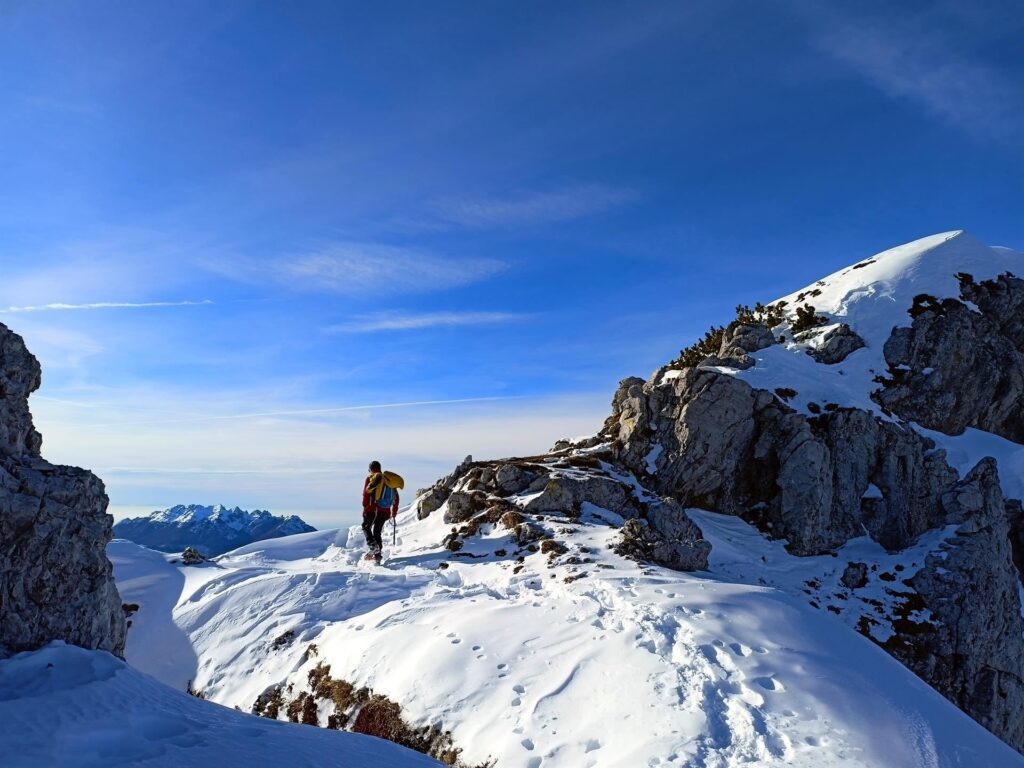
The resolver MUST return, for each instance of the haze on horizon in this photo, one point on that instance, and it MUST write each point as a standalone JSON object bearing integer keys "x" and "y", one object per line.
{"x": 256, "y": 246}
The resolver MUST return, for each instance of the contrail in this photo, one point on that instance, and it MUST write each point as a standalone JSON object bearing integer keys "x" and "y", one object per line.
{"x": 312, "y": 411}
{"x": 104, "y": 305}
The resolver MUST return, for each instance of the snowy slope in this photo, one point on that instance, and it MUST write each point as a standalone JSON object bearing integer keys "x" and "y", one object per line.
{"x": 599, "y": 662}
{"x": 68, "y": 707}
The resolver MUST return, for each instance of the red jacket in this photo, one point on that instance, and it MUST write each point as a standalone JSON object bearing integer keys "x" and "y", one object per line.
{"x": 370, "y": 507}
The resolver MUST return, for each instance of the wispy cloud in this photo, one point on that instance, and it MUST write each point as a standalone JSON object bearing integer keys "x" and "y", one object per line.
{"x": 395, "y": 322}
{"x": 535, "y": 208}
{"x": 310, "y": 411}
{"x": 360, "y": 268}
{"x": 59, "y": 307}
{"x": 921, "y": 63}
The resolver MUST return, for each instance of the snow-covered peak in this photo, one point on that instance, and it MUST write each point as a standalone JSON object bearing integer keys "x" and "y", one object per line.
{"x": 873, "y": 295}
{"x": 193, "y": 513}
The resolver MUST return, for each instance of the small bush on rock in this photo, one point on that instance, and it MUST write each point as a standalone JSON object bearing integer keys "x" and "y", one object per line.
{"x": 807, "y": 318}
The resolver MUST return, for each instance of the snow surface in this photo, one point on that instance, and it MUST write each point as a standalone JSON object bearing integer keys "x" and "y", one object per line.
{"x": 626, "y": 665}
{"x": 65, "y": 707}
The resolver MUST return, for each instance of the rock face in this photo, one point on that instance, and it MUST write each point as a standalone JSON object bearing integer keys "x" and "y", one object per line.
{"x": 957, "y": 367}
{"x": 55, "y": 578}
{"x": 724, "y": 446}
{"x": 972, "y": 649}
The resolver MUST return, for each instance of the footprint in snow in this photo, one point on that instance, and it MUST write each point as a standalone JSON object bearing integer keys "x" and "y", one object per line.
{"x": 769, "y": 684}
{"x": 527, "y": 744}
{"x": 739, "y": 649}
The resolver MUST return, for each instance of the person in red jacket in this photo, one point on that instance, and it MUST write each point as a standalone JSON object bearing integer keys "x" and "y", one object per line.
{"x": 380, "y": 504}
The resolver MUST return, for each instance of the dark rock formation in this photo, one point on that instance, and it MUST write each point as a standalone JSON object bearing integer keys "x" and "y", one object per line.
{"x": 971, "y": 648}
{"x": 56, "y": 582}
{"x": 955, "y": 367}
{"x": 836, "y": 345}
{"x": 855, "y": 575}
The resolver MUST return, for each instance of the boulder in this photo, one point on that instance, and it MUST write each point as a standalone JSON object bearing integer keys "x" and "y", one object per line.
{"x": 836, "y": 344}
{"x": 855, "y": 575}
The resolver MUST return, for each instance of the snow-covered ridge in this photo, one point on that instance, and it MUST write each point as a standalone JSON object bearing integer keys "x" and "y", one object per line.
{"x": 577, "y": 659}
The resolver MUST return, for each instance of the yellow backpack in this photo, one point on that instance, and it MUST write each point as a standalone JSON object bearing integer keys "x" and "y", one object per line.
{"x": 382, "y": 480}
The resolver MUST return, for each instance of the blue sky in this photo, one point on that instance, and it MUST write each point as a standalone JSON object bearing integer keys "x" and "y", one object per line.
{"x": 262, "y": 218}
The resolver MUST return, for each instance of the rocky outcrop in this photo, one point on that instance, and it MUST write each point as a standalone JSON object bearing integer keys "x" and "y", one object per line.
{"x": 55, "y": 578}
{"x": 971, "y": 646}
{"x": 738, "y": 341}
{"x": 836, "y": 344}
{"x": 724, "y": 446}
{"x": 667, "y": 536}
{"x": 529, "y": 496}
{"x": 956, "y": 367}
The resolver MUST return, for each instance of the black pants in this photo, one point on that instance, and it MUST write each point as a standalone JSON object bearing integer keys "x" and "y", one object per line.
{"x": 373, "y": 524}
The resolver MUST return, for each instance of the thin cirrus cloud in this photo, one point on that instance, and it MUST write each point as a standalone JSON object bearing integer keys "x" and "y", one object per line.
{"x": 409, "y": 322}
{"x": 357, "y": 268}
{"x": 922, "y": 66}
{"x": 538, "y": 208}
{"x": 59, "y": 307}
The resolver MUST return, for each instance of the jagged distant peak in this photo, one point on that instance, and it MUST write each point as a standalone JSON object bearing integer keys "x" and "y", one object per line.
{"x": 212, "y": 529}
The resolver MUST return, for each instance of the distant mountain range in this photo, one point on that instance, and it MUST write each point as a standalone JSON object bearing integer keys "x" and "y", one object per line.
{"x": 212, "y": 530}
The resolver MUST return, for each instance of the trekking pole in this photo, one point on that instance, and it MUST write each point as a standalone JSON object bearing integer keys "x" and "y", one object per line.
{"x": 394, "y": 532}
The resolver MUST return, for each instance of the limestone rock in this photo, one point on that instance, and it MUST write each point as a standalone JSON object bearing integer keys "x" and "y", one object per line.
{"x": 56, "y": 582}
{"x": 970, "y": 650}
{"x": 730, "y": 448}
{"x": 955, "y": 368}
{"x": 836, "y": 345}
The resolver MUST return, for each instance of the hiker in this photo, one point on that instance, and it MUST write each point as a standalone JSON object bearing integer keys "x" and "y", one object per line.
{"x": 380, "y": 504}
